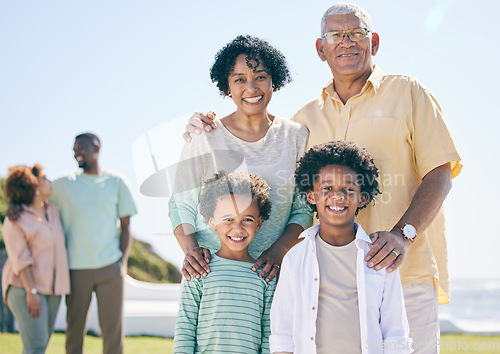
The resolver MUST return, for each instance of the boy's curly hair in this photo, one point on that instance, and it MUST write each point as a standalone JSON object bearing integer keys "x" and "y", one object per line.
{"x": 255, "y": 48}
{"x": 342, "y": 153}
{"x": 234, "y": 183}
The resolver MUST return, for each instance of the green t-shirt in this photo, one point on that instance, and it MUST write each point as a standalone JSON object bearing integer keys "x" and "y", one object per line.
{"x": 226, "y": 312}
{"x": 90, "y": 206}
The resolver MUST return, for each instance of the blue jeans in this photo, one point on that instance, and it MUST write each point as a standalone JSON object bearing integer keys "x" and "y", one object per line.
{"x": 35, "y": 332}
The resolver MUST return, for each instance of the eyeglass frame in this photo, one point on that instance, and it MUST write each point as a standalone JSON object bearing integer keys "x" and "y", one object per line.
{"x": 346, "y": 32}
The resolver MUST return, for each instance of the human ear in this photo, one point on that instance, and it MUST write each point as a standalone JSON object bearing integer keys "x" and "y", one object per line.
{"x": 259, "y": 225}
{"x": 97, "y": 147}
{"x": 375, "y": 43}
{"x": 211, "y": 223}
{"x": 362, "y": 201}
{"x": 320, "y": 49}
{"x": 310, "y": 197}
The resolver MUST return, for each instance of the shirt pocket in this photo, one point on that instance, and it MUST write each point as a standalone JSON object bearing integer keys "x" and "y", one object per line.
{"x": 380, "y": 136}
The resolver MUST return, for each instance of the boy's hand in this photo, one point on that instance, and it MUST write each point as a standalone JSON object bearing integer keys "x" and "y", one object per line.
{"x": 387, "y": 248}
{"x": 199, "y": 121}
{"x": 272, "y": 260}
{"x": 196, "y": 263}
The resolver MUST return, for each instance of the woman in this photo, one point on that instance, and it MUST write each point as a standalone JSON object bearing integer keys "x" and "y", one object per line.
{"x": 248, "y": 70}
{"x": 36, "y": 272}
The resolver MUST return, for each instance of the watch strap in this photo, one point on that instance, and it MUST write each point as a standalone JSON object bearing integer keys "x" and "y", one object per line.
{"x": 400, "y": 226}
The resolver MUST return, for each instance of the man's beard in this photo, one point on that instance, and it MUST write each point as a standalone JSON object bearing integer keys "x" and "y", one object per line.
{"x": 83, "y": 164}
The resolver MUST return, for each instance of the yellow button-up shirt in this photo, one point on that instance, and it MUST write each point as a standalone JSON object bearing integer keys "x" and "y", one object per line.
{"x": 401, "y": 124}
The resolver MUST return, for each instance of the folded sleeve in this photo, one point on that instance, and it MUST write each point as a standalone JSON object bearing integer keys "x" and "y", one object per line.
{"x": 301, "y": 213}
{"x": 17, "y": 246}
{"x": 196, "y": 161}
{"x": 432, "y": 142}
{"x": 126, "y": 205}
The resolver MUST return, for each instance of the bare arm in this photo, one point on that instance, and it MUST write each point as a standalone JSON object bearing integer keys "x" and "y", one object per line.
{"x": 32, "y": 300}
{"x": 125, "y": 241}
{"x": 273, "y": 256}
{"x": 197, "y": 258}
{"x": 198, "y": 122}
{"x": 423, "y": 208}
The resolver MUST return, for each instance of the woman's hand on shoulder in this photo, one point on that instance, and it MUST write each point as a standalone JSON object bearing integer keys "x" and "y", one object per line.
{"x": 196, "y": 263}
{"x": 272, "y": 259}
{"x": 198, "y": 122}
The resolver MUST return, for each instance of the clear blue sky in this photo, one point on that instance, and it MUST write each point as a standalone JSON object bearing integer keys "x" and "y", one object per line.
{"x": 124, "y": 68}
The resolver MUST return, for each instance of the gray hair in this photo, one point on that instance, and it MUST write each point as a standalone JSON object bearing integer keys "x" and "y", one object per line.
{"x": 345, "y": 8}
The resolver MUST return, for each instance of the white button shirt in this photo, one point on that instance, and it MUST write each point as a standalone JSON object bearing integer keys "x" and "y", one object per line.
{"x": 382, "y": 316}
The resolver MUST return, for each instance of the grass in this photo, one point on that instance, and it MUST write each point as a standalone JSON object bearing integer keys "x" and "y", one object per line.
{"x": 11, "y": 344}
{"x": 450, "y": 343}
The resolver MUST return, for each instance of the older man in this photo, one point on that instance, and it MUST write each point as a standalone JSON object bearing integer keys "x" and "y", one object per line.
{"x": 400, "y": 123}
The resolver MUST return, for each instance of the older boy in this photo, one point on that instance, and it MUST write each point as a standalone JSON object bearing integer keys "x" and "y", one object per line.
{"x": 327, "y": 299}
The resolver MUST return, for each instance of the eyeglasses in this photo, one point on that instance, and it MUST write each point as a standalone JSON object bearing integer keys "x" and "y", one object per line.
{"x": 355, "y": 35}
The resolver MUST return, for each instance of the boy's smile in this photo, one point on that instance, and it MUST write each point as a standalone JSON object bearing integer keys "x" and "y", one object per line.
{"x": 236, "y": 219}
{"x": 337, "y": 196}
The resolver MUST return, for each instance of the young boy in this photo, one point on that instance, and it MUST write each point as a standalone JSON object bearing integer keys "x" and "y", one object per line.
{"x": 327, "y": 300}
{"x": 228, "y": 310}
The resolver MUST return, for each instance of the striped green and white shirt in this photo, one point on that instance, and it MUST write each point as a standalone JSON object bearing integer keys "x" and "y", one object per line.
{"x": 226, "y": 312}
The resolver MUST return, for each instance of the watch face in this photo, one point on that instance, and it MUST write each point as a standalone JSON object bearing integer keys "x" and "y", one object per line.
{"x": 409, "y": 231}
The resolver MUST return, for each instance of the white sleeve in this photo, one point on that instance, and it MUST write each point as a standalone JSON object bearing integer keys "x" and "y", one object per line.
{"x": 393, "y": 321}
{"x": 281, "y": 339}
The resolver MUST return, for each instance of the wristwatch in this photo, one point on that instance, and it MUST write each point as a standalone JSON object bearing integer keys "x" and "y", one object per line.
{"x": 409, "y": 232}
{"x": 34, "y": 291}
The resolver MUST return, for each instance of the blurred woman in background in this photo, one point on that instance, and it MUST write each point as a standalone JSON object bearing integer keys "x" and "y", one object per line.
{"x": 36, "y": 272}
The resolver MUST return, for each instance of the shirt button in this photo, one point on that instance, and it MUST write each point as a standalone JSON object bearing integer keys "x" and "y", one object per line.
{"x": 314, "y": 308}
{"x": 312, "y": 338}
{"x": 315, "y": 279}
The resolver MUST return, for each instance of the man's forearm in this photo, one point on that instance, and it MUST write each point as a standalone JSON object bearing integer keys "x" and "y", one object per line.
{"x": 428, "y": 199}
{"x": 125, "y": 237}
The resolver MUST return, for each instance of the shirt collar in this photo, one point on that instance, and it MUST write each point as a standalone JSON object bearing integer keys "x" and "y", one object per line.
{"x": 33, "y": 211}
{"x": 361, "y": 235}
{"x": 310, "y": 233}
{"x": 375, "y": 79}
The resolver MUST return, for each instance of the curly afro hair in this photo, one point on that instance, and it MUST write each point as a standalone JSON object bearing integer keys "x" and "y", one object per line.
{"x": 255, "y": 48}
{"x": 234, "y": 183}
{"x": 342, "y": 153}
{"x": 20, "y": 187}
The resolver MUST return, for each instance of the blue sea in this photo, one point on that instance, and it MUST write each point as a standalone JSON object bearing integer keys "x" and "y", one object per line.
{"x": 474, "y": 305}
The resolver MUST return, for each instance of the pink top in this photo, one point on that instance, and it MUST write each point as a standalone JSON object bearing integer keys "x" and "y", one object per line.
{"x": 35, "y": 241}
